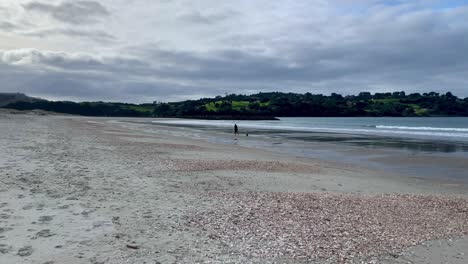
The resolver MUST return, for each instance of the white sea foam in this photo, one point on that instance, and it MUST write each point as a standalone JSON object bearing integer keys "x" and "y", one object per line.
{"x": 424, "y": 128}
{"x": 402, "y": 131}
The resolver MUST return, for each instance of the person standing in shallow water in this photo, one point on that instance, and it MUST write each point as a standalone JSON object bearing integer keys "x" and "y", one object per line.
{"x": 236, "y": 130}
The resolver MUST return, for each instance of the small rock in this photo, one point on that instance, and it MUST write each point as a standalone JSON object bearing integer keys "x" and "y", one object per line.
{"x": 133, "y": 246}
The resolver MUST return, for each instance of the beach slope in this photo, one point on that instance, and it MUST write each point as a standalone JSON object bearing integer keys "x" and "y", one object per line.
{"x": 94, "y": 190}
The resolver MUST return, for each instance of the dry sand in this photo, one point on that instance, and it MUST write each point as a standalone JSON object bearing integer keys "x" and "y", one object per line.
{"x": 85, "y": 190}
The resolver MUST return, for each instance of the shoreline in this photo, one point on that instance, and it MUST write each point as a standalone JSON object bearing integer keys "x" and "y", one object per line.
{"x": 81, "y": 190}
{"x": 422, "y": 158}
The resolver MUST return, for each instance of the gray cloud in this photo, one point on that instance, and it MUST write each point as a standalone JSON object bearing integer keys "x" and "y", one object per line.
{"x": 94, "y": 35}
{"x": 159, "y": 74}
{"x": 199, "y": 18}
{"x": 33, "y": 57}
{"x": 7, "y": 26}
{"x": 280, "y": 49}
{"x": 72, "y": 12}
{"x": 4, "y": 12}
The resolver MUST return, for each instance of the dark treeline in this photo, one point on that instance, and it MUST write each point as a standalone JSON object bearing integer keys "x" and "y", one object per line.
{"x": 335, "y": 105}
{"x": 275, "y": 104}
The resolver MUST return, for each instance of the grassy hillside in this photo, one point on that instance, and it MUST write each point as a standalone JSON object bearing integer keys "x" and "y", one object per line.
{"x": 217, "y": 106}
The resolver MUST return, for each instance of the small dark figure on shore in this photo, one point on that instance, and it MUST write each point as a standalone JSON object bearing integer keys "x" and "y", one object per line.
{"x": 236, "y": 130}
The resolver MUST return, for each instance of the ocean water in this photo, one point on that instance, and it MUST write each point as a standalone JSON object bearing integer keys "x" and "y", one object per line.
{"x": 439, "y": 128}
{"x": 432, "y": 147}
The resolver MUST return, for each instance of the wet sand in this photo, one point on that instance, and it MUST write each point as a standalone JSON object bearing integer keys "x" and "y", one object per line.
{"x": 86, "y": 190}
{"x": 435, "y": 159}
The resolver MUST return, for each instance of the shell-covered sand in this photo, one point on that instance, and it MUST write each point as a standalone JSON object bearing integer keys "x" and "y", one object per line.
{"x": 329, "y": 226}
{"x": 238, "y": 165}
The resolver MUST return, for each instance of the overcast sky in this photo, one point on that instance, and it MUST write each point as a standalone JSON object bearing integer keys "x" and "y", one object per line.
{"x": 169, "y": 50}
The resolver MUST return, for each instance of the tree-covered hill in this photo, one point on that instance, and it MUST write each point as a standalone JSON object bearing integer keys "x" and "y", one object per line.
{"x": 9, "y": 98}
{"x": 88, "y": 108}
{"x": 269, "y": 105}
{"x": 291, "y": 104}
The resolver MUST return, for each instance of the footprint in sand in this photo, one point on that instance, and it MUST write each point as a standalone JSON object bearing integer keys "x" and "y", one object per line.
{"x": 44, "y": 233}
{"x": 45, "y": 218}
{"x": 25, "y": 251}
{"x": 28, "y": 207}
{"x": 5, "y": 216}
{"x": 5, "y": 229}
{"x": 5, "y": 248}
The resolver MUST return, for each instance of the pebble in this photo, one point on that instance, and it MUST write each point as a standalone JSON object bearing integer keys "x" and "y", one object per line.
{"x": 132, "y": 246}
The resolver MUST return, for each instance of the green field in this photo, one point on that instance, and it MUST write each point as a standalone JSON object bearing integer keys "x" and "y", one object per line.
{"x": 418, "y": 110}
{"x": 385, "y": 101}
{"x": 138, "y": 108}
{"x": 235, "y": 105}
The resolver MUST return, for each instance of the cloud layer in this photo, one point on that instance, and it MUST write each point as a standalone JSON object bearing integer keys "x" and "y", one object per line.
{"x": 173, "y": 50}
{"x": 77, "y": 12}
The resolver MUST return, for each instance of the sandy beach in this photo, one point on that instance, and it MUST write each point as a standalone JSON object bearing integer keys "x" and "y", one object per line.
{"x": 93, "y": 190}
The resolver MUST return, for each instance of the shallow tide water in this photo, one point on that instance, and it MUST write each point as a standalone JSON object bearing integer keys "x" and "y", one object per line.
{"x": 442, "y": 128}
{"x": 433, "y": 147}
